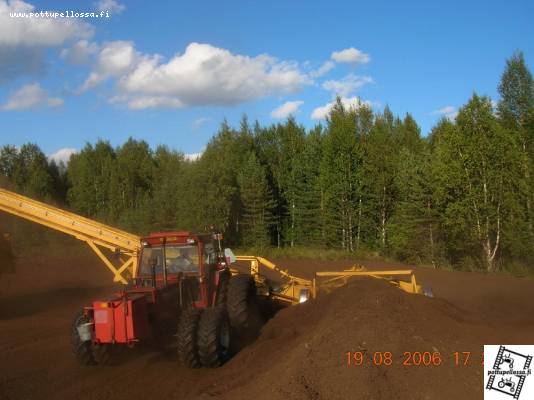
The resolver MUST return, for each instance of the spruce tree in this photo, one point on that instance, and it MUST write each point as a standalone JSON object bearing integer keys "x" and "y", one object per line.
{"x": 257, "y": 203}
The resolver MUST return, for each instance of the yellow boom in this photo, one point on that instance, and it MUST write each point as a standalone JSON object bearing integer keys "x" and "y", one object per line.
{"x": 98, "y": 236}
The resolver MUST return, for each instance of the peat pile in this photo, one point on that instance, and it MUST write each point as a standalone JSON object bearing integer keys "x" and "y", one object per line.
{"x": 302, "y": 352}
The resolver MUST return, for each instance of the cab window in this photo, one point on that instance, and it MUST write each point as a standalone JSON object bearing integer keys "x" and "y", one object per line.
{"x": 178, "y": 259}
{"x": 150, "y": 254}
{"x": 182, "y": 258}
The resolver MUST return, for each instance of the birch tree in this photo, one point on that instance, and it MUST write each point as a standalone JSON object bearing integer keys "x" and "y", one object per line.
{"x": 478, "y": 175}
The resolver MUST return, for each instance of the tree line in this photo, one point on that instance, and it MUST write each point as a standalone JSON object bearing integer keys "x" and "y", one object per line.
{"x": 462, "y": 196}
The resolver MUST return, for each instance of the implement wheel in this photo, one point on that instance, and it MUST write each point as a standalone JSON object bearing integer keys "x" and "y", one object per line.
{"x": 241, "y": 300}
{"x": 186, "y": 337}
{"x": 213, "y": 337}
{"x": 82, "y": 350}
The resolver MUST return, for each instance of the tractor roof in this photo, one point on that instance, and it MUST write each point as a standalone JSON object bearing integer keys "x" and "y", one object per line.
{"x": 175, "y": 237}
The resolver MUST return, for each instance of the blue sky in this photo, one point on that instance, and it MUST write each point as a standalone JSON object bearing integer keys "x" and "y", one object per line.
{"x": 168, "y": 72}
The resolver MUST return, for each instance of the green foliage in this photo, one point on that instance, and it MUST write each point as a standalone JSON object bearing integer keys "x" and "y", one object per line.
{"x": 257, "y": 202}
{"x": 341, "y": 175}
{"x": 363, "y": 182}
{"x": 478, "y": 167}
{"x": 29, "y": 171}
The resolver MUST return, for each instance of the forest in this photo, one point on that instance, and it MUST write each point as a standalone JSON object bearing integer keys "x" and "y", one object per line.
{"x": 364, "y": 181}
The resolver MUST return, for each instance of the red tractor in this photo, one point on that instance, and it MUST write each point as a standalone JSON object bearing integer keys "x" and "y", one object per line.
{"x": 182, "y": 292}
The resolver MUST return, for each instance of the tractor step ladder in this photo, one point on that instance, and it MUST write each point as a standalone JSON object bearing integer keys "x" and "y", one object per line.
{"x": 125, "y": 245}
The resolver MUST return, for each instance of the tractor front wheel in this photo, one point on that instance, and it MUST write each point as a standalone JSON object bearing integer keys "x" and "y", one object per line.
{"x": 213, "y": 337}
{"x": 186, "y": 336}
{"x": 82, "y": 350}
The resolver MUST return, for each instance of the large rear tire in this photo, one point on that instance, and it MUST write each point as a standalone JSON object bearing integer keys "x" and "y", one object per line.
{"x": 83, "y": 351}
{"x": 222, "y": 290}
{"x": 103, "y": 353}
{"x": 214, "y": 337}
{"x": 241, "y": 300}
{"x": 186, "y": 337}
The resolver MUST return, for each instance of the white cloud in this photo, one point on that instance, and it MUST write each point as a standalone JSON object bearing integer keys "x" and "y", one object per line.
{"x": 203, "y": 75}
{"x": 38, "y": 32}
{"x": 347, "y": 85}
{"x": 323, "y": 69}
{"x": 348, "y": 102}
{"x": 112, "y": 6}
{"x": 197, "y": 123}
{"x": 286, "y": 109}
{"x": 449, "y": 112}
{"x": 115, "y": 59}
{"x": 30, "y": 96}
{"x": 80, "y": 53}
{"x": 62, "y": 155}
{"x": 351, "y": 56}
{"x": 192, "y": 156}
{"x": 143, "y": 102}
{"x": 23, "y": 40}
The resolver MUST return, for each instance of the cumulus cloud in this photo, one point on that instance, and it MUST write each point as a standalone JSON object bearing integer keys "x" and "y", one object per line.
{"x": 351, "y": 56}
{"x": 347, "y": 85}
{"x": 62, "y": 155}
{"x": 115, "y": 59}
{"x": 23, "y": 40}
{"x": 286, "y": 109}
{"x": 202, "y": 75}
{"x": 449, "y": 112}
{"x": 323, "y": 69}
{"x": 80, "y": 53}
{"x": 111, "y": 6}
{"x": 30, "y": 96}
{"x": 348, "y": 102}
{"x": 143, "y": 102}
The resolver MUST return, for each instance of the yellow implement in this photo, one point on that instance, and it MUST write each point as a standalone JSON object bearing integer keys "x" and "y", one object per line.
{"x": 390, "y": 276}
{"x": 125, "y": 245}
{"x": 294, "y": 290}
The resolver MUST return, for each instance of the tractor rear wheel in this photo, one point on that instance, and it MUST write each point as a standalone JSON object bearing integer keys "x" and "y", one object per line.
{"x": 186, "y": 336}
{"x": 241, "y": 299}
{"x": 213, "y": 337}
{"x": 103, "y": 353}
{"x": 222, "y": 290}
{"x": 82, "y": 350}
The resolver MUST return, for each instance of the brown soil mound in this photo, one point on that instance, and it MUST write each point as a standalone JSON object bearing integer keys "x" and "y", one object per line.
{"x": 301, "y": 353}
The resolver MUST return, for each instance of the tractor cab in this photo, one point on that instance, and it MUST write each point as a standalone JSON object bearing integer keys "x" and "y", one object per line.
{"x": 194, "y": 262}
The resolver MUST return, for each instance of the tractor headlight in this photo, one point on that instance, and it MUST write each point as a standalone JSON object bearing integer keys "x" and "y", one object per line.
{"x": 304, "y": 295}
